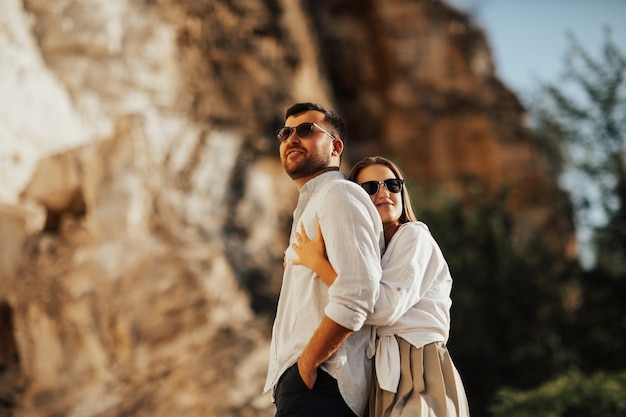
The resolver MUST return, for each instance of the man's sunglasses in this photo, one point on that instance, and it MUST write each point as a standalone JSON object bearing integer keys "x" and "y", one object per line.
{"x": 393, "y": 185}
{"x": 302, "y": 130}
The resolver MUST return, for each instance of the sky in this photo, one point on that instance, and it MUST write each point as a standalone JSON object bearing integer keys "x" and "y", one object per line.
{"x": 528, "y": 37}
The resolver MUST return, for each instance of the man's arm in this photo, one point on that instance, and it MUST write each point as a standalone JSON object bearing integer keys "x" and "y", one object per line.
{"x": 354, "y": 229}
{"x": 325, "y": 341}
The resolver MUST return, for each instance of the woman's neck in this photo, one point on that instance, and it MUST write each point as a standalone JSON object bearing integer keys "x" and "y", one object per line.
{"x": 390, "y": 229}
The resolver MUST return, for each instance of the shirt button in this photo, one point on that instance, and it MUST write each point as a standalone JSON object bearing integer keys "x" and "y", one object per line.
{"x": 398, "y": 289}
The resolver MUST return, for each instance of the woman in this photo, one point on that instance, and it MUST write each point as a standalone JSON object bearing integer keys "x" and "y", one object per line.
{"x": 414, "y": 375}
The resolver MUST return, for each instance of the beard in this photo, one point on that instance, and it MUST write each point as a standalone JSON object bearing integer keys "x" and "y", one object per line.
{"x": 307, "y": 166}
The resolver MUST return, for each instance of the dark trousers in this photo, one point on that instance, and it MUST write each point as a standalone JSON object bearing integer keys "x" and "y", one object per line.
{"x": 294, "y": 399}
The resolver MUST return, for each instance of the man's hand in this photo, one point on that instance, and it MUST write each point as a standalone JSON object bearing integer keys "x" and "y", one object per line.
{"x": 308, "y": 374}
{"x": 325, "y": 341}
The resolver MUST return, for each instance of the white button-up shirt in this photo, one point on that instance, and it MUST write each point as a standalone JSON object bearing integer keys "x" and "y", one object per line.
{"x": 354, "y": 240}
{"x": 414, "y": 301}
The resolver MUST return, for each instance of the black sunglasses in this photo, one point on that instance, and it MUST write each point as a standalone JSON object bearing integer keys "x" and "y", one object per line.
{"x": 394, "y": 185}
{"x": 302, "y": 130}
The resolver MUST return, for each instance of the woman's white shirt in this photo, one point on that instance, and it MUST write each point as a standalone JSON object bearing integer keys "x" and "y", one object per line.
{"x": 414, "y": 301}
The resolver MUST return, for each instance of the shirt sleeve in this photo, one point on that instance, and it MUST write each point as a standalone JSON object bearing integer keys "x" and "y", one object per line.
{"x": 411, "y": 269}
{"x": 353, "y": 237}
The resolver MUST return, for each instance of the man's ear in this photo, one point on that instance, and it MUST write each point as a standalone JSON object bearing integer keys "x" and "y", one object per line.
{"x": 337, "y": 147}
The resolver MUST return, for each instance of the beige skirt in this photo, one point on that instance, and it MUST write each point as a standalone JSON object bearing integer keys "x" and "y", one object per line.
{"x": 430, "y": 386}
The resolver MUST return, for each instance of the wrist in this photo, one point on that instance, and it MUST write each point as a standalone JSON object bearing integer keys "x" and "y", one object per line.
{"x": 317, "y": 267}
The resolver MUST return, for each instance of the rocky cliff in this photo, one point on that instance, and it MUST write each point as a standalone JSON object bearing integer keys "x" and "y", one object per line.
{"x": 143, "y": 208}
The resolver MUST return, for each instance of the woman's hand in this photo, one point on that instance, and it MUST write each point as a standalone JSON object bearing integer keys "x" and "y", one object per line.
{"x": 312, "y": 254}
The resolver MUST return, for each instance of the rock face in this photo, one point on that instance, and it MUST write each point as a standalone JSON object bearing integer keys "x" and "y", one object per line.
{"x": 143, "y": 208}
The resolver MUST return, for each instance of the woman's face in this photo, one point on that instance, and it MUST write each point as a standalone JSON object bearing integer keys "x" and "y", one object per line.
{"x": 388, "y": 204}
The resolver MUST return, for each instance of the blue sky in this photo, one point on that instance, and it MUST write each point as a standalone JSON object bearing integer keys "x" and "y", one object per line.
{"x": 528, "y": 37}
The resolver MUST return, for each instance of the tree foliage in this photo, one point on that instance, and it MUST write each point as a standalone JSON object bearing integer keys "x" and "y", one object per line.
{"x": 582, "y": 121}
{"x": 507, "y": 304}
{"x": 590, "y": 129}
{"x": 514, "y": 334}
{"x": 570, "y": 395}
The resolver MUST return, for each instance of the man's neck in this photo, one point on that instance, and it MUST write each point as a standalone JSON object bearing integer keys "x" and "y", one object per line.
{"x": 301, "y": 181}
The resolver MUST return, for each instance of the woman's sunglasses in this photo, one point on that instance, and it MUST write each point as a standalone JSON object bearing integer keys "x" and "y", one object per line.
{"x": 302, "y": 130}
{"x": 393, "y": 185}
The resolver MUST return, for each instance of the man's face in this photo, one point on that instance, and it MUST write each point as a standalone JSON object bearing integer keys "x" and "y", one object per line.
{"x": 304, "y": 157}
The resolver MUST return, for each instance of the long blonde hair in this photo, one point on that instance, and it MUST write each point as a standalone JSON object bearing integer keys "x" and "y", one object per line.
{"x": 407, "y": 209}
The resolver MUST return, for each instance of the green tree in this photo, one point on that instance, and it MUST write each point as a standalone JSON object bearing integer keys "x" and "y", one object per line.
{"x": 571, "y": 395}
{"x": 582, "y": 121}
{"x": 507, "y": 307}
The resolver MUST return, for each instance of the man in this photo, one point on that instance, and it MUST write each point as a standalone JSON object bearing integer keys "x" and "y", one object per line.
{"x": 319, "y": 363}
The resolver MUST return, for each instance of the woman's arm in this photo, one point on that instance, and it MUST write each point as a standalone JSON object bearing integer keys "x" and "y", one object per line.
{"x": 413, "y": 267}
{"x": 312, "y": 254}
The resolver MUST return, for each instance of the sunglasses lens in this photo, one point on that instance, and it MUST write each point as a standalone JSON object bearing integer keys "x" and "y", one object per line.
{"x": 304, "y": 129}
{"x": 394, "y": 186}
{"x": 370, "y": 187}
{"x": 284, "y": 133}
